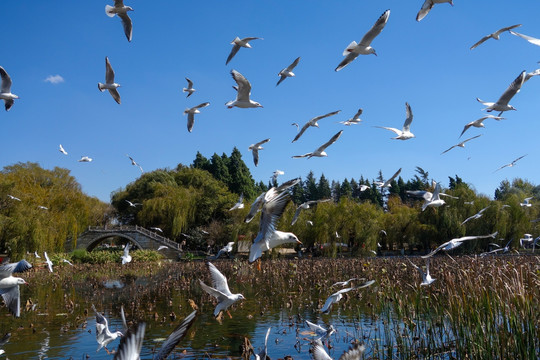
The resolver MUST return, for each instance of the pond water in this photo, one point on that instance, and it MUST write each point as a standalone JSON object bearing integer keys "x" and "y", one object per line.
{"x": 57, "y": 321}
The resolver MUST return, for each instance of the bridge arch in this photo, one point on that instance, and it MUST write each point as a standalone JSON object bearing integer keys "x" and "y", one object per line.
{"x": 97, "y": 240}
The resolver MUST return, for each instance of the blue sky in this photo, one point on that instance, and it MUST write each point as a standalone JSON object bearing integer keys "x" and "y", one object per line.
{"x": 427, "y": 64}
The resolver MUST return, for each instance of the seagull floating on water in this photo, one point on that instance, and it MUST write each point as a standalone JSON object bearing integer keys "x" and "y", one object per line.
{"x": 321, "y": 331}
{"x": 243, "y": 93}
{"x": 220, "y": 290}
{"x": 238, "y": 43}
{"x": 495, "y": 35}
{"x": 502, "y": 104}
{"x": 121, "y": 10}
{"x": 461, "y": 144}
{"x": 190, "y": 90}
{"x": 254, "y": 148}
{"x": 513, "y": 163}
{"x": 480, "y": 122}
{"x": 287, "y": 72}
{"x": 9, "y": 285}
{"x": 363, "y": 48}
{"x": 109, "y": 82}
{"x": 313, "y": 122}
{"x": 405, "y": 133}
{"x": 103, "y": 335}
{"x": 320, "y": 151}
{"x": 5, "y": 90}
{"x": 428, "y": 5}
{"x": 191, "y": 114}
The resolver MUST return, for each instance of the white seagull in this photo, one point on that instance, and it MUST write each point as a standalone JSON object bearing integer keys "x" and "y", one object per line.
{"x": 37, "y": 255}
{"x": 191, "y": 114}
{"x": 502, "y": 104}
{"x": 237, "y": 43}
{"x": 134, "y": 163}
{"x": 61, "y": 149}
{"x": 478, "y": 215}
{"x": 263, "y": 355}
{"x": 335, "y": 297}
{"x": 454, "y": 243}
{"x": 495, "y": 35}
{"x": 276, "y": 173}
{"x": 435, "y": 200}
{"x": 85, "y": 159}
{"x": 5, "y": 90}
{"x": 131, "y": 344}
{"x": 405, "y": 133}
{"x": 344, "y": 283}
{"x": 109, "y": 82}
{"x": 254, "y": 148}
{"x": 220, "y": 290}
{"x": 526, "y": 202}
{"x": 313, "y": 122}
{"x": 156, "y": 228}
{"x": 305, "y": 206}
{"x": 239, "y": 204}
{"x": 227, "y": 249}
{"x": 131, "y": 204}
{"x": 353, "y": 353}
{"x": 461, "y": 144}
{"x": 426, "y": 277}
{"x": 387, "y": 183}
{"x": 13, "y": 197}
{"x": 354, "y": 120}
{"x": 353, "y": 49}
{"x": 190, "y": 90}
{"x": 363, "y": 187}
{"x": 242, "y": 94}
{"x": 428, "y": 4}
{"x": 43, "y": 207}
{"x": 174, "y": 338}
{"x": 273, "y": 203}
{"x": 9, "y": 285}
{"x": 103, "y": 335}
{"x": 320, "y": 152}
{"x": 287, "y": 72}
{"x": 48, "y": 261}
{"x": 513, "y": 163}
{"x": 530, "y": 39}
{"x": 121, "y": 10}
{"x": 67, "y": 262}
{"x": 321, "y": 331}
{"x": 126, "y": 258}
{"x": 504, "y": 249}
{"x": 480, "y": 122}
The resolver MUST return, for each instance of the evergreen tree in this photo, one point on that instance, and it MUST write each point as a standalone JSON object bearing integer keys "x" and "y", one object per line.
{"x": 201, "y": 162}
{"x": 323, "y": 188}
{"x": 241, "y": 180}
{"x": 336, "y": 186}
{"x": 345, "y": 189}
{"x": 310, "y": 187}
{"x": 219, "y": 169}
{"x": 298, "y": 194}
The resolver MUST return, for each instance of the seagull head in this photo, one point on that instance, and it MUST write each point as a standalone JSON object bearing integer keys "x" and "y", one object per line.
{"x": 129, "y": 8}
{"x": 372, "y": 51}
{"x": 257, "y": 104}
{"x": 21, "y": 282}
{"x": 510, "y": 107}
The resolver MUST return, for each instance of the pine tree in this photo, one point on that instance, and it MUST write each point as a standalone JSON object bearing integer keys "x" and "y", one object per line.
{"x": 323, "y": 188}
{"x": 310, "y": 187}
{"x": 240, "y": 176}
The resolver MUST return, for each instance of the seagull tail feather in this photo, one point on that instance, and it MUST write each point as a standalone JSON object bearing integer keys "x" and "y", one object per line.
{"x": 109, "y": 10}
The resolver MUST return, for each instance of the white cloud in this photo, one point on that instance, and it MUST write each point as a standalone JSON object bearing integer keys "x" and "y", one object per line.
{"x": 54, "y": 79}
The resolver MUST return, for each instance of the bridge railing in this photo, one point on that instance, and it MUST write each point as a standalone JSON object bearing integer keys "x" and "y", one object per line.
{"x": 140, "y": 229}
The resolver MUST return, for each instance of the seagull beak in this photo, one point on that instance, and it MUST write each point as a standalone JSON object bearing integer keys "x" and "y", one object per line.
{"x": 298, "y": 242}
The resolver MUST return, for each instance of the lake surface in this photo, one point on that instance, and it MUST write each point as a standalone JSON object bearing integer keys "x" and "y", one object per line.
{"x": 281, "y": 296}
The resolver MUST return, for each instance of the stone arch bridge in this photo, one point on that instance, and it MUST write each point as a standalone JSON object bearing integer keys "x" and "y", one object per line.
{"x": 140, "y": 237}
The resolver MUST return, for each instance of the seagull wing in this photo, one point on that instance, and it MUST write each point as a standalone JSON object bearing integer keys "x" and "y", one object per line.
{"x": 417, "y": 268}
{"x": 354, "y": 353}
{"x": 317, "y": 118}
{"x": 302, "y": 131}
{"x": 200, "y": 106}
{"x": 261, "y": 142}
{"x": 293, "y": 65}
{"x": 6, "y": 81}
{"x": 219, "y": 281}
{"x": 189, "y": 84}
{"x": 248, "y": 39}
{"x": 357, "y": 115}
{"x": 469, "y": 218}
{"x": 508, "y": 28}
{"x": 130, "y": 345}
{"x": 329, "y": 142}
{"x": 275, "y": 203}
{"x": 296, "y": 214}
{"x": 12, "y": 299}
{"x": 255, "y": 207}
{"x": 318, "y": 352}
{"x": 376, "y": 29}
{"x": 397, "y": 131}
{"x": 394, "y": 176}
{"x": 175, "y": 337}
{"x": 348, "y": 59}
{"x": 530, "y": 39}
{"x": 481, "y": 41}
{"x": 109, "y": 72}
{"x": 469, "y": 139}
{"x": 126, "y": 22}
{"x": 435, "y": 251}
{"x": 513, "y": 89}
{"x": 466, "y": 128}
{"x": 255, "y": 152}
{"x": 244, "y": 87}
{"x": 101, "y": 322}
{"x": 328, "y": 303}
{"x": 190, "y": 121}
{"x": 519, "y": 158}
{"x": 426, "y": 7}
{"x": 18, "y": 267}
{"x": 116, "y": 96}
{"x": 408, "y": 119}
{"x": 233, "y": 52}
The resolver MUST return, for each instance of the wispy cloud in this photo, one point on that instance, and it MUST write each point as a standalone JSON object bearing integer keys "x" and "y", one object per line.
{"x": 54, "y": 79}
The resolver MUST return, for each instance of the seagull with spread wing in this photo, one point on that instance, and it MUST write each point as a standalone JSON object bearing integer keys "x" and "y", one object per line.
{"x": 5, "y": 90}
{"x": 513, "y": 163}
{"x": 354, "y": 120}
{"x": 478, "y": 215}
{"x": 461, "y": 144}
{"x": 305, "y": 206}
{"x": 254, "y": 148}
{"x": 405, "y": 133}
{"x": 530, "y": 39}
{"x": 103, "y": 335}
{"x": 61, "y": 149}
{"x": 435, "y": 200}
{"x": 479, "y": 123}
{"x": 243, "y": 92}
{"x": 387, "y": 183}
{"x": 48, "y": 262}
{"x": 502, "y": 105}
{"x": 426, "y": 277}
{"x": 109, "y": 82}
{"x": 190, "y": 90}
{"x": 9, "y": 285}
{"x": 335, "y": 297}
{"x": 313, "y": 122}
{"x": 191, "y": 114}
{"x": 220, "y": 290}
{"x": 237, "y": 43}
{"x": 454, "y": 243}
{"x": 121, "y": 10}
{"x": 287, "y": 72}
{"x": 494, "y": 35}
{"x": 134, "y": 163}
{"x": 364, "y": 47}
{"x": 239, "y": 204}
{"x": 428, "y": 5}
{"x": 353, "y": 353}
{"x": 320, "y": 152}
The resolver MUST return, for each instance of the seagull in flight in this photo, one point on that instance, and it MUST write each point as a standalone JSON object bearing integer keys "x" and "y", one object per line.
{"x": 428, "y": 5}
{"x": 320, "y": 152}
{"x": 405, "y": 133}
{"x": 220, "y": 290}
{"x": 387, "y": 183}
{"x": 297, "y": 126}
{"x": 313, "y": 122}
{"x": 237, "y": 43}
{"x": 190, "y": 90}
{"x": 43, "y": 207}
{"x": 191, "y": 114}
{"x": 5, "y": 90}
{"x": 109, "y": 82}
{"x": 9, "y": 284}
{"x": 319, "y": 353}
{"x": 513, "y": 163}
{"x": 156, "y": 229}
{"x": 461, "y": 144}
{"x": 335, "y": 297}
{"x": 85, "y": 159}
{"x": 239, "y": 204}
{"x": 225, "y": 250}
{"x": 13, "y": 197}
{"x": 133, "y": 204}
{"x": 61, "y": 149}
{"x": 480, "y": 122}
{"x": 305, "y": 206}
{"x": 254, "y": 148}
{"x": 287, "y": 72}
{"x": 243, "y": 93}
{"x": 126, "y": 258}
{"x": 354, "y": 120}
{"x": 363, "y": 48}
{"x": 121, "y": 10}
{"x": 454, "y": 243}
{"x": 435, "y": 200}
{"x": 502, "y": 104}
{"x": 103, "y": 335}
{"x": 276, "y": 173}
{"x": 504, "y": 249}
{"x": 344, "y": 283}
{"x": 495, "y": 35}
{"x": 426, "y": 277}
{"x": 478, "y": 215}
{"x": 134, "y": 163}
{"x": 526, "y": 202}
{"x": 321, "y": 331}
{"x": 48, "y": 261}
{"x": 530, "y": 39}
